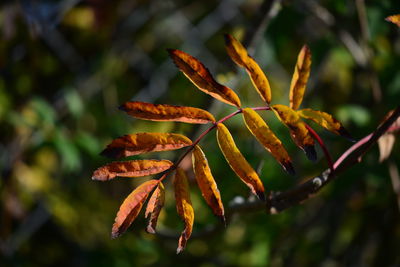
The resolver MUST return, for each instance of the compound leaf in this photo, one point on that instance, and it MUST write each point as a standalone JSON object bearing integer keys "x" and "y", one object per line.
{"x": 163, "y": 112}
{"x": 300, "y": 134}
{"x": 300, "y": 78}
{"x": 202, "y": 78}
{"x": 240, "y": 56}
{"x": 206, "y": 182}
{"x": 134, "y": 144}
{"x": 131, "y": 168}
{"x": 183, "y": 206}
{"x": 131, "y": 207}
{"x": 267, "y": 138}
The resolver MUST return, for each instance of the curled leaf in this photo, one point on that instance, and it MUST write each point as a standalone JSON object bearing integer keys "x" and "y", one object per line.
{"x": 131, "y": 207}
{"x": 184, "y": 207}
{"x": 206, "y": 182}
{"x": 240, "y": 56}
{"x": 325, "y": 120}
{"x": 300, "y": 78}
{"x": 267, "y": 138}
{"x": 394, "y": 19}
{"x": 132, "y": 168}
{"x": 154, "y": 207}
{"x": 134, "y": 144}
{"x": 238, "y": 163}
{"x": 200, "y": 76}
{"x": 162, "y": 112}
{"x": 298, "y": 130}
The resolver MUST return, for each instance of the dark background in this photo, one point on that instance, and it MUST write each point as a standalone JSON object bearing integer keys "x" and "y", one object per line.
{"x": 65, "y": 67}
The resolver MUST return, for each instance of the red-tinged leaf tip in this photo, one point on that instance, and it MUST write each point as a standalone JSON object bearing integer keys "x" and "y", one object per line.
{"x": 310, "y": 153}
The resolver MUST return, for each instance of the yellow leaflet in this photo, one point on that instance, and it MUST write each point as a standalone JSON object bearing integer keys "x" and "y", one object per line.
{"x": 267, "y": 138}
{"x": 240, "y": 56}
{"x": 183, "y": 206}
{"x": 325, "y": 120}
{"x": 131, "y": 207}
{"x": 300, "y": 77}
{"x": 237, "y": 162}
{"x": 298, "y": 130}
{"x": 206, "y": 182}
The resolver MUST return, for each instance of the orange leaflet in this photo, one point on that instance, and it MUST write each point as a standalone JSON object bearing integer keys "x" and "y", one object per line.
{"x": 267, "y": 138}
{"x": 325, "y": 120}
{"x": 238, "y": 163}
{"x": 183, "y": 206}
{"x": 206, "y": 182}
{"x": 298, "y": 130}
{"x": 134, "y": 144}
{"x": 394, "y": 19}
{"x": 162, "y": 112}
{"x": 154, "y": 207}
{"x": 239, "y": 55}
{"x": 131, "y": 207}
{"x": 132, "y": 168}
{"x": 202, "y": 78}
{"x": 300, "y": 77}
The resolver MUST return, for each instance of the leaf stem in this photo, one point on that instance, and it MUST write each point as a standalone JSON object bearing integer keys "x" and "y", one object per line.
{"x": 322, "y": 145}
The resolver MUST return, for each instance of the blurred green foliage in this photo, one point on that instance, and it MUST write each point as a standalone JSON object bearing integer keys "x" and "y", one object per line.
{"x": 65, "y": 67}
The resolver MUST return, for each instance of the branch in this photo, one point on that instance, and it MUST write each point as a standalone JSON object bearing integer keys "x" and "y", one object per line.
{"x": 278, "y": 202}
{"x": 353, "y": 155}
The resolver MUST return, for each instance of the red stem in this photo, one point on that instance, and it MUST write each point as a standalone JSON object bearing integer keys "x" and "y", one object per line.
{"x": 322, "y": 145}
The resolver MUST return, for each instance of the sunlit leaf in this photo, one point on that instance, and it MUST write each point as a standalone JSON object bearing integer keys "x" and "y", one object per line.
{"x": 131, "y": 207}
{"x": 298, "y": 130}
{"x": 206, "y": 182}
{"x": 267, "y": 138}
{"x": 132, "y": 168}
{"x": 134, "y": 144}
{"x": 184, "y": 207}
{"x": 163, "y": 112}
{"x": 300, "y": 78}
{"x": 240, "y": 56}
{"x": 238, "y": 163}
{"x": 325, "y": 120}
{"x": 202, "y": 78}
{"x": 394, "y": 19}
{"x": 154, "y": 207}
